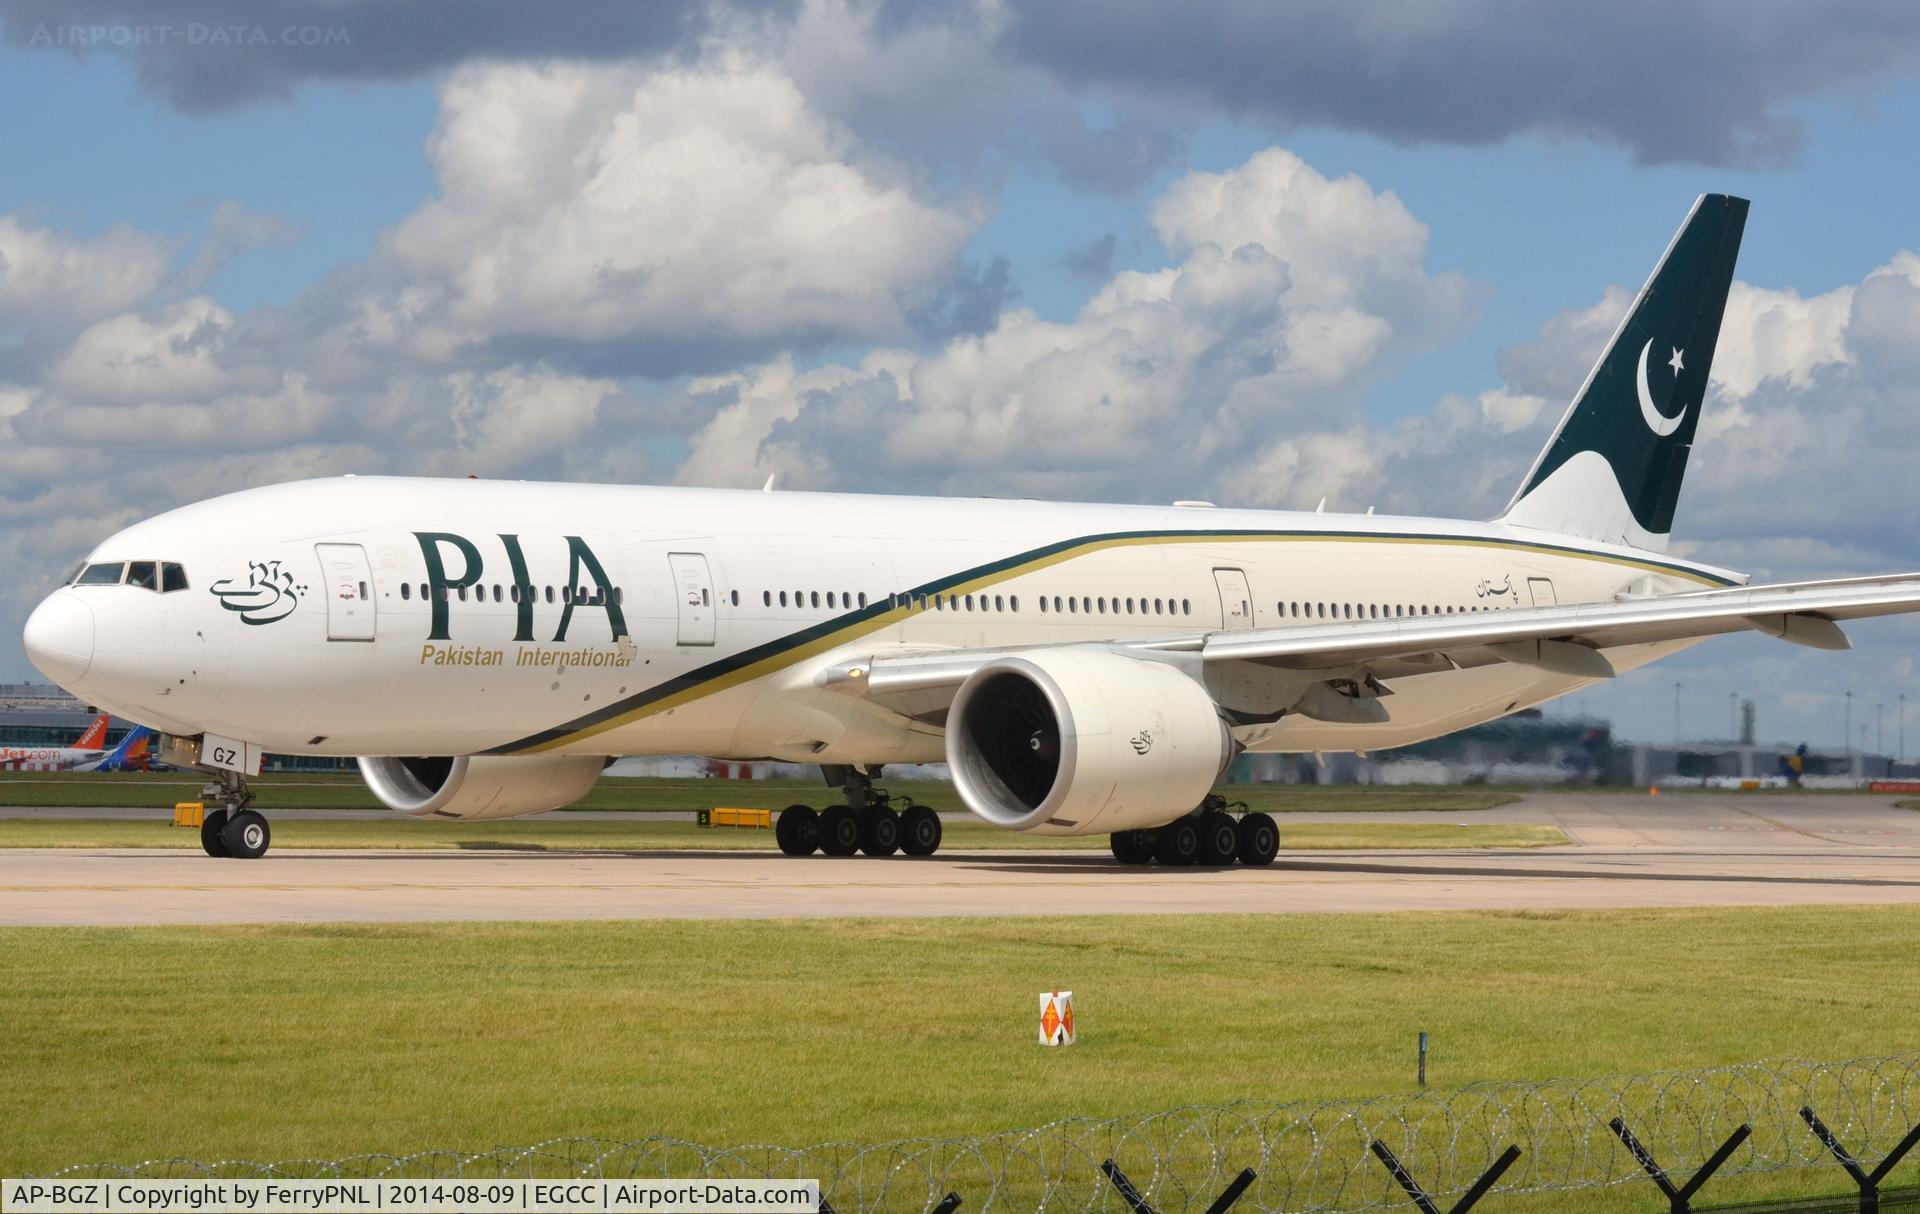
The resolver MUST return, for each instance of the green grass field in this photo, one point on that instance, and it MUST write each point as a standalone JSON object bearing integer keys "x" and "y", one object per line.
{"x": 583, "y": 831}
{"x": 319, "y": 1041}
{"x": 160, "y": 790}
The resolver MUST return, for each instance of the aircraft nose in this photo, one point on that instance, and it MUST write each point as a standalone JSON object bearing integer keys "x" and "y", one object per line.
{"x": 59, "y": 637}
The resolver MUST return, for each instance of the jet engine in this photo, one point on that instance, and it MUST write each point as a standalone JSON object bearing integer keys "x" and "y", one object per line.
{"x": 1079, "y": 741}
{"x": 481, "y": 786}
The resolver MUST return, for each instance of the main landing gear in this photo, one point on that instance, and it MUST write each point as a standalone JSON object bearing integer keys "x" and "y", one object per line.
{"x": 867, "y": 823}
{"x": 1210, "y": 836}
{"x": 235, "y": 830}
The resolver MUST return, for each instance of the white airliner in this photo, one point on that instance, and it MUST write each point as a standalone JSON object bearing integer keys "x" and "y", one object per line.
{"x": 484, "y": 647}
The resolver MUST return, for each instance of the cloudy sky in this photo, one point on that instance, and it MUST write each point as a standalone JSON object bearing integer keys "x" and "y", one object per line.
{"x": 1123, "y": 251}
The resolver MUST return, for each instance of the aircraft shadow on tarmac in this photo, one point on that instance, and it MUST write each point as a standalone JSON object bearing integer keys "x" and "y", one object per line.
{"x": 1094, "y": 862}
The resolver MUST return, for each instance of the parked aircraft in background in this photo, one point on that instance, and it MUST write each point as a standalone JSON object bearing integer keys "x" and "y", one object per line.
{"x": 88, "y": 753}
{"x": 485, "y": 647}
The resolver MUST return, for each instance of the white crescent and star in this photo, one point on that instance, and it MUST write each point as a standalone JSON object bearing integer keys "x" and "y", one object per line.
{"x": 1658, "y": 422}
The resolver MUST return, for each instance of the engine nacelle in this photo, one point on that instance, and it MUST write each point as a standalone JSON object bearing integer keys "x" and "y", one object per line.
{"x": 481, "y": 786}
{"x": 1081, "y": 741}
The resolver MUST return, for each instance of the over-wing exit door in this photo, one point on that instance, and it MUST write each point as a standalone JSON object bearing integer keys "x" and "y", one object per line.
{"x": 1236, "y": 600}
{"x": 693, "y": 591}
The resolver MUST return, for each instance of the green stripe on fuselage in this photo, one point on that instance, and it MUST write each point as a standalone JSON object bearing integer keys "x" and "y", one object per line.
{"x": 770, "y": 657}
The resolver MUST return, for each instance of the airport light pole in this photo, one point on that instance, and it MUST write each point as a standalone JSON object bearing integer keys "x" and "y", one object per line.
{"x": 1676, "y": 712}
{"x": 1879, "y": 729}
{"x": 1903, "y": 727}
{"x": 1846, "y": 729}
{"x": 1733, "y": 716}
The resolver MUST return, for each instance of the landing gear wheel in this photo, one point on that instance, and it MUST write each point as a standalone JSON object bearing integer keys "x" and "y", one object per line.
{"x": 1219, "y": 838}
{"x": 1259, "y": 840}
{"x": 839, "y": 831}
{"x": 1131, "y": 846}
{"x": 1177, "y": 843}
{"x": 210, "y": 827}
{"x": 797, "y": 830}
{"x": 879, "y": 831}
{"x": 245, "y": 836}
{"x": 919, "y": 831}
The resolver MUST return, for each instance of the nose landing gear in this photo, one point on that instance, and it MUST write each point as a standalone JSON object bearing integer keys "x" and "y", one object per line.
{"x": 235, "y": 830}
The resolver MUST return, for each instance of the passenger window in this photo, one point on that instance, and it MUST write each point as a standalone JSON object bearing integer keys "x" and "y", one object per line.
{"x": 863, "y": 598}
{"x": 733, "y": 598}
{"x": 816, "y": 598}
{"x": 999, "y": 604}
{"x": 364, "y": 596}
{"x": 829, "y": 598}
{"x": 705, "y": 598}
{"x": 103, "y": 575}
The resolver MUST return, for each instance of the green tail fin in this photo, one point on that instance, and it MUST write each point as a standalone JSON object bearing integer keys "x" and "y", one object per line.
{"x": 1612, "y": 469}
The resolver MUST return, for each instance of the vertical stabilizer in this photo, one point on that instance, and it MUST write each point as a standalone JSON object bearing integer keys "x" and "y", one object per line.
{"x": 96, "y": 736}
{"x": 1612, "y": 469}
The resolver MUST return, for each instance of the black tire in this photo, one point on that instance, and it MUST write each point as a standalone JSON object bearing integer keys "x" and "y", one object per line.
{"x": 920, "y": 831}
{"x": 210, "y": 827}
{"x": 879, "y": 831}
{"x": 1219, "y": 838}
{"x": 797, "y": 830}
{"x": 1131, "y": 846}
{"x": 1177, "y": 843}
{"x": 1259, "y": 840}
{"x": 839, "y": 831}
{"x": 246, "y": 836}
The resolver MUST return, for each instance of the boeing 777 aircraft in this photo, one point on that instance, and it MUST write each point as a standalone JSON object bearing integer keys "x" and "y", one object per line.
{"x": 486, "y": 646}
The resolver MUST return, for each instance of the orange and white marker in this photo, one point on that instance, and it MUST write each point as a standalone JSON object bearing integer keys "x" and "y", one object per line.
{"x": 1056, "y": 1018}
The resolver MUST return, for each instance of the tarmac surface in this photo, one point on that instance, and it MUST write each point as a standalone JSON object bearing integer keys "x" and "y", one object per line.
{"x": 1696, "y": 849}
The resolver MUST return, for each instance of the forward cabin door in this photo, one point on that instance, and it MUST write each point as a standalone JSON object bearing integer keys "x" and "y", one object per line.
{"x": 1541, "y": 590}
{"x": 1236, "y": 600}
{"x": 347, "y": 579}
{"x": 693, "y": 591}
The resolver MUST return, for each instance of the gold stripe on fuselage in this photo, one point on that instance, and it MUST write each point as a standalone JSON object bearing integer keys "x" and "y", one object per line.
{"x": 799, "y": 646}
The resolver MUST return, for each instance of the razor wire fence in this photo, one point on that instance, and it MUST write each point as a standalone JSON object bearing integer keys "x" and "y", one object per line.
{"x": 1305, "y": 1156}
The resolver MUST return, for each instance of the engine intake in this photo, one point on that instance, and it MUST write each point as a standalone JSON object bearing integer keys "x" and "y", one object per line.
{"x": 1083, "y": 741}
{"x": 480, "y": 786}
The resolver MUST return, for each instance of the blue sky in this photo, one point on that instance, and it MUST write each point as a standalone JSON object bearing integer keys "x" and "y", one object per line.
{"x": 970, "y": 138}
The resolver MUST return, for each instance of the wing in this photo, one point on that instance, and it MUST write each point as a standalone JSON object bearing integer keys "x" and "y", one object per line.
{"x": 1350, "y": 657}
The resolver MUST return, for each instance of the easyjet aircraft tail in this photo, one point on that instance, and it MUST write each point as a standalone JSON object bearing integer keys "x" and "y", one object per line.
{"x": 1612, "y": 469}
{"x": 96, "y": 736}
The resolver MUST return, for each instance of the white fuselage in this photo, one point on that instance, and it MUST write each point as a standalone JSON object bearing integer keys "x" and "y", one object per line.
{"x": 734, "y": 602}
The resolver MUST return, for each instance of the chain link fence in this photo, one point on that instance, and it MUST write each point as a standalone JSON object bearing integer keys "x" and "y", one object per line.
{"x": 1307, "y": 1157}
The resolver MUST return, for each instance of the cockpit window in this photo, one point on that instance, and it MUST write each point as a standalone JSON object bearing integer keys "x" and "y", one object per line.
{"x": 102, "y": 575}
{"x": 75, "y": 575}
{"x": 173, "y": 576}
{"x": 144, "y": 574}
